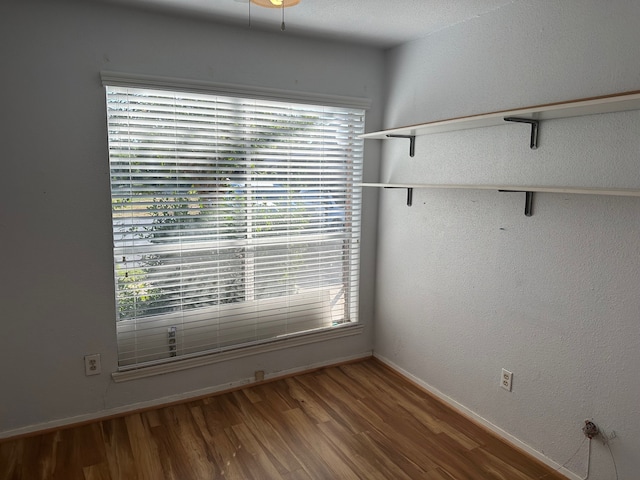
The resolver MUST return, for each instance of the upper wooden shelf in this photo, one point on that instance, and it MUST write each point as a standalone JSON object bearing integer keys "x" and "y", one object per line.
{"x": 575, "y": 108}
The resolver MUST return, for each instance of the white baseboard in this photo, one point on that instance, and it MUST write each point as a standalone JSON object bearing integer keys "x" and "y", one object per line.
{"x": 506, "y": 436}
{"x": 180, "y": 397}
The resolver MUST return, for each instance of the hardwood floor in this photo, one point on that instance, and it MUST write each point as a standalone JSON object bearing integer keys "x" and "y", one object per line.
{"x": 355, "y": 421}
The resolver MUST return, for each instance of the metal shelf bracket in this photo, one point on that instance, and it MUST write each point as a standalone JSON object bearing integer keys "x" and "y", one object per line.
{"x": 409, "y": 195}
{"x": 528, "y": 201}
{"x": 412, "y": 142}
{"x": 528, "y": 204}
{"x": 535, "y": 124}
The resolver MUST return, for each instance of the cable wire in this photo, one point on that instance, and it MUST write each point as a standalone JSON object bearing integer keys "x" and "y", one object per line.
{"x": 572, "y": 457}
{"x": 615, "y": 467}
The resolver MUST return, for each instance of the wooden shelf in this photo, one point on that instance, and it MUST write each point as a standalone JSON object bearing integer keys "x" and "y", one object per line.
{"x": 529, "y": 190}
{"x": 587, "y": 106}
{"x": 616, "y": 192}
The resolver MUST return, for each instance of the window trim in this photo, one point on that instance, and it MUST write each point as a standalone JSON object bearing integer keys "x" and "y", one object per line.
{"x": 246, "y": 91}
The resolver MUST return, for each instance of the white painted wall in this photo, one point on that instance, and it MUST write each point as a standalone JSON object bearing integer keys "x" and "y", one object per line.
{"x": 466, "y": 283}
{"x": 57, "y": 293}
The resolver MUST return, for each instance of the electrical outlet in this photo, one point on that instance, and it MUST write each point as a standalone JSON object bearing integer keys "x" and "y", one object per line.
{"x": 92, "y": 364}
{"x": 506, "y": 379}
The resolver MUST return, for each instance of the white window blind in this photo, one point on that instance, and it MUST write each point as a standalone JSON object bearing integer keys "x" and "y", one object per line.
{"x": 235, "y": 221}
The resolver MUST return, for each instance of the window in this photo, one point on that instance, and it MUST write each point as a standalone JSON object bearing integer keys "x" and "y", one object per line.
{"x": 236, "y": 221}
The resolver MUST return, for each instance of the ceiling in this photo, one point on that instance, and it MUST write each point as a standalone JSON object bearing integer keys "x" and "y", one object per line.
{"x": 379, "y": 23}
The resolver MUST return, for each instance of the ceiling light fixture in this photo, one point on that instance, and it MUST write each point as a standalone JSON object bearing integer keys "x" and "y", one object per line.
{"x": 282, "y": 4}
{"x": 276, "y": 3}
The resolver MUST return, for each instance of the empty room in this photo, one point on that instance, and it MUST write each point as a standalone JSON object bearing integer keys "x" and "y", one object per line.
{"x": 320, "y": 239}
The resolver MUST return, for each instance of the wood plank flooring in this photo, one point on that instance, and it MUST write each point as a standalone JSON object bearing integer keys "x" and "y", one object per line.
{"x": 354, "y": 421}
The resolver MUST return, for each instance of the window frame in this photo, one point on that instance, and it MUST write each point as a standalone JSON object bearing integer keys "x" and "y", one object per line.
{"x": 187, "y": 361}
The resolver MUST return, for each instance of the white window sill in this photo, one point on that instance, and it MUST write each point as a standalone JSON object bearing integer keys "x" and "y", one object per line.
{"x": 175, "y": 366}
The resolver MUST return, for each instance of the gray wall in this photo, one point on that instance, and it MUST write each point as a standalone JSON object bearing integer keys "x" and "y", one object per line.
{"x": 466, "y": 283}
{"x": 57, "y": 273}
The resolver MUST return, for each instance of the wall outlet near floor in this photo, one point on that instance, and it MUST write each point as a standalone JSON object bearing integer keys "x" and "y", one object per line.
{"x": 506, "y": 379}
{"x": 92, "y": 364}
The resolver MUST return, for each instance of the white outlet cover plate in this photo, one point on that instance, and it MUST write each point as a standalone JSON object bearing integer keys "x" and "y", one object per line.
{"x": 506, "y": 379}
{"x": 92, "y": 364}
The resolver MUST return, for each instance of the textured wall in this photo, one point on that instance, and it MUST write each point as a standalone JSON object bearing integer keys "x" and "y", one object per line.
{"x": 57, "y": 274}
{"x": 466, "y": 283}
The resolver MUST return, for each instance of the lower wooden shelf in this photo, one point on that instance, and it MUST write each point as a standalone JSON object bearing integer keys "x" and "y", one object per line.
{"x": 616, "y": 192}
{"x": 528, "y": 189}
